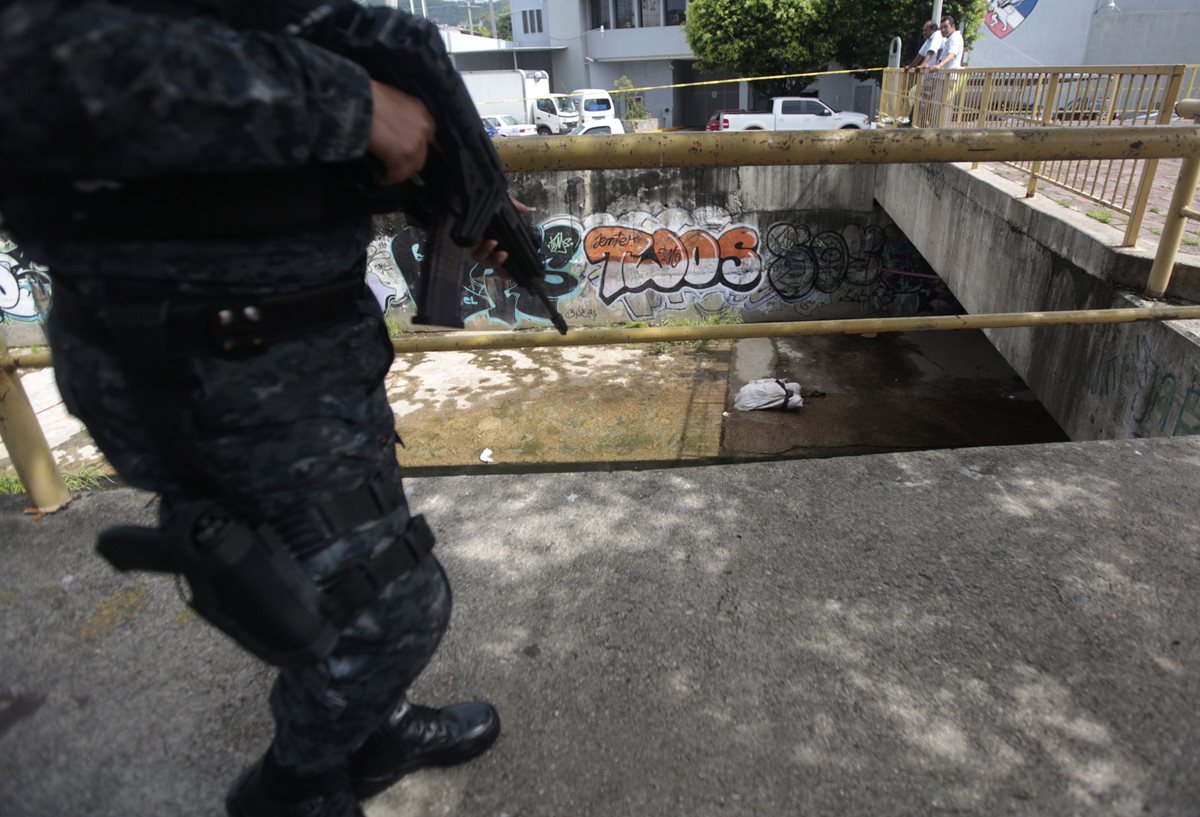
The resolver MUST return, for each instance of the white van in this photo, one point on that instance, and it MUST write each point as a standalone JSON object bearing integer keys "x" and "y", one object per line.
{"x": 597, "y": 127}
{"x": 594, "y": 103}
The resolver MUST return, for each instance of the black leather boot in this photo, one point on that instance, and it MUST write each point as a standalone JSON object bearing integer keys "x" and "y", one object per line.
{"x": 416, "y": 736}
{"x": 260, "y": 792}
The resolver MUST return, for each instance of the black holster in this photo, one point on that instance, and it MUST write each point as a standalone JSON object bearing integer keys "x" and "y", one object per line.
{"x": 248, "y": 582}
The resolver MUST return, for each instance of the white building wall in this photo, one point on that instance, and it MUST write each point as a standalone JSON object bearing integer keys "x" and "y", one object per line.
{"x": 521, "y": 9}
{"x": 642, "y": 73}
{"x": 1052, "y": 32}
{"x": 567, "y": 24}
{"x": 1145, "y": 38}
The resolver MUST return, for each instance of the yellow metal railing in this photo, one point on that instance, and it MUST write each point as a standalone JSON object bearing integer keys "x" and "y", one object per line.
{"x": 26, "y": 444}
{"x": 1179, "y": 213}
{"x": 35, "y": 465}
{"x": 1070, "y": 96}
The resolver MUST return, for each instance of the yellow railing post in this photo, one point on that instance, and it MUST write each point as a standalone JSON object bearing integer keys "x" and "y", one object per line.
{"x": 943, "y": 120}
{"x": 985, "y": 105}
{"x": 1142, "y": 198}
{"x": 1045, "y": 97}
{"x": 1178, "y": 214}
{"x": 26, "y": 444}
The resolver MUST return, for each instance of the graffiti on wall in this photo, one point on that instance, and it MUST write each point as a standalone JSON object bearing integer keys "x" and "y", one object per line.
{"x": 643, "y": 265}
{"x": 1164, "y": 403}
{"x": 24, "y": 286}
{"x": 631, "y": 260}
{"x": 488, "y": 295}
{"x": 1003, "y": 16}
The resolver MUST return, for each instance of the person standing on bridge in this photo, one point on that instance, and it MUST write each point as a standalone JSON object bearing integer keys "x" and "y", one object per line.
{"x": 950, "y": 54}
{"x": 219, "y": 343}
{"x": 929, "y": 48}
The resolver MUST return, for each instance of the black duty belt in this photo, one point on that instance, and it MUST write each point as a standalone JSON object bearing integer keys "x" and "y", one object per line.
{"x": 162, "y": 325}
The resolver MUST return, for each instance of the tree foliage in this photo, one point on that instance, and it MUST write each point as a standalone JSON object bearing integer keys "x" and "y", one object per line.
{"x": 870, "y": 26}
{"x": 767, "y": 37}
{"x": 504, "y": 28}
{"x": 632, "y": 106}
{"x": 759, "y": 38}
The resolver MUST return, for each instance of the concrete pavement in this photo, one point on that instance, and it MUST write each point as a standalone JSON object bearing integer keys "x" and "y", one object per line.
{"x": 979, "y": 631}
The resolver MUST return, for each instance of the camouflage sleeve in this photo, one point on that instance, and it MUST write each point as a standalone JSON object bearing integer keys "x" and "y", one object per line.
{"x": 96, "y": 90}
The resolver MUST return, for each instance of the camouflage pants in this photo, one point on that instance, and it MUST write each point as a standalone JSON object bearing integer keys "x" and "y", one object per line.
{"x": 303, "y": 420}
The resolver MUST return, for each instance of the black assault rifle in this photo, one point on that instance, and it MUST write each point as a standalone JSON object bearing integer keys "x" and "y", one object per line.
{"x": 461, "y": 196}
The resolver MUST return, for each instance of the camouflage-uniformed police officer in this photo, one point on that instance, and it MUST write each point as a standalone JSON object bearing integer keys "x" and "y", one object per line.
{"x": 212, "y": 330}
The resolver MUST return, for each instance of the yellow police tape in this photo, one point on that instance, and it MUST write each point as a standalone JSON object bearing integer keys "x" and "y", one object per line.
{"x": 706, "y": 82}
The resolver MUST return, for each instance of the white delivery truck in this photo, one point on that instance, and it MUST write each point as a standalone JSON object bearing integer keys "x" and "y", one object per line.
{"x": 524, "y": 95}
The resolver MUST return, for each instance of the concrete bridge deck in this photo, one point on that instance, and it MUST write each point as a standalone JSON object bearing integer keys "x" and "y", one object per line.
{"x": 980, "y": 631}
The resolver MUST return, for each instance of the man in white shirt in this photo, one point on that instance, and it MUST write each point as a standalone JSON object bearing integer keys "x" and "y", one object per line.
{"x": 933, "y": 41}
{"x": 951, "y": 52}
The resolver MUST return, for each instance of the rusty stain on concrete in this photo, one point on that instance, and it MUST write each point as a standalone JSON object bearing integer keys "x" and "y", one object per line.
{"x": 114, "y": 611}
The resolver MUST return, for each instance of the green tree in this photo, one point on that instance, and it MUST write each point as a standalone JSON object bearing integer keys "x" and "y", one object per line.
{"x": 760, "y": 38}
{"x": 766, "y": 37}
{"x": 631, "y": 106}
{"x": 863, "y": 29}
{"x": 503, "y": 20}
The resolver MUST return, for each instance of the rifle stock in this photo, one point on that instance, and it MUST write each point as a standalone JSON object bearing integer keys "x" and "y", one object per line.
{"x": 461, "y": 195}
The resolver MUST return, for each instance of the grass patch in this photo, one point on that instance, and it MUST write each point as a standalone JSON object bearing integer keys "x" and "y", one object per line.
{"x": 1065, "y": 203}
{"x": 395, "y": 326}
{"x": 724, "y": 317}
{"x": 1103, "y": 216}
{"x": 9, "y": 485}
{"x": 86, "y": 478}
{"x": 1191, "y": 241}
{"x": 1156, "y": 210}
{"x": 1155, "y": 231}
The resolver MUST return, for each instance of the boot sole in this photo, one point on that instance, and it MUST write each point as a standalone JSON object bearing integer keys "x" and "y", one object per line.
{"x": 365, "y": 788}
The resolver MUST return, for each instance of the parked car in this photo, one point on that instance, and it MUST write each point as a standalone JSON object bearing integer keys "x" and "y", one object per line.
{"x": 796, "y": 113}
{"x": 598, "y": 126}
{"x": 714, "y": 121}
{"x": 507, "y": 126}
{"x": 594, "y": 103}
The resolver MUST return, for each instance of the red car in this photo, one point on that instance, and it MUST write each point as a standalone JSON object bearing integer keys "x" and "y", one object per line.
{"x": 714, "y": 121}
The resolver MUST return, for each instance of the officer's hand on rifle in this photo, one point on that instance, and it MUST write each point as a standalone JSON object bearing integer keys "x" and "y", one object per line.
{"x": 401, "y": 132}
{"x": 485, "y": 251}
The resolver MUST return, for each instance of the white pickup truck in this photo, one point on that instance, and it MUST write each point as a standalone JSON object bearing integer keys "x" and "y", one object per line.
{"x": 796, "y": 113}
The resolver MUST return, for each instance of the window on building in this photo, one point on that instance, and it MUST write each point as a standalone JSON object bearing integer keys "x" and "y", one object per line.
{"x": 600, "y": 14}
{"x": 625, "y": 14}
{"x": 651, "y": 13}
{"x": 525, "y": 21}
{"x": 537, "y": 21}
{"x": 676, "y": 12}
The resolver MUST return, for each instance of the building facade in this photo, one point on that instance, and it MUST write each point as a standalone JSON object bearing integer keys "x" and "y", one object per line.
{"x": 593, "y": 43}
{"x": 1088, "y": 32}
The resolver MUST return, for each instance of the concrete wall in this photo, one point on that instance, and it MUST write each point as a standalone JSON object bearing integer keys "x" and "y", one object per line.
{"x": 1035, "y": 32}
{"x": 766, "y": 243}
{"x": 1087, "y": 32}
{"x": 24, "y": 295}
{"x": 1167, "y": 37}
{"x": 1002, "y": 253}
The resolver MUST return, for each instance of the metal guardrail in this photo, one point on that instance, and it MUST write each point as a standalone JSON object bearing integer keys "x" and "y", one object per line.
{"x": 26, "y": 444}
{"x": 36, "y": 468}
{"x": 1066, "y": 96}
{"x": 1178, "y": 214}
